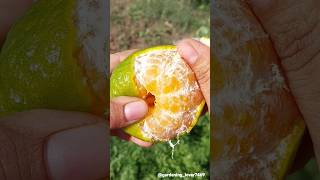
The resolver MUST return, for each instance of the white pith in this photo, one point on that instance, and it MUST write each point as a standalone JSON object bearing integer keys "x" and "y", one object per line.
{"x": 170, "y": 64}
{"x": 234, "y": 27}
{"x": 91, "y": 23}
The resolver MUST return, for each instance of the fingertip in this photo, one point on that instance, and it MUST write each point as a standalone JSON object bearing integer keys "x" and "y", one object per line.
{"x": 187, "y": 51}
{"x": 124, "y": 54}
{"x": 79, "y": 153}
{"x": 118, "y": 57}
{"x": 141, "y": 142}
{"x": 120, "y": 134}
{"x": 135, "y": 110}
{"x": 126, "y": 110}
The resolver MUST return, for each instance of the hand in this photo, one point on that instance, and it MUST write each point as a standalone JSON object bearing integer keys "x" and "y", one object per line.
{"x": 197, "y": 55}
{"x": 293, "y": 26}
{"x": 10, "y": 11}
{"x": 42, "y": 144}
{"x": 125, "y": 110}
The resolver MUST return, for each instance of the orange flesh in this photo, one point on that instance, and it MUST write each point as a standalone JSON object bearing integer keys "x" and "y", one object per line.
{"x": 256, "y": 126}
{"x": 172, "y": 93}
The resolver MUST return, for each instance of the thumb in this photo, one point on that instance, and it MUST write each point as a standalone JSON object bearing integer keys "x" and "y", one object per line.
{"x": 197, "y": 55}
{"x": 50, "y": 144}
{"x": 126, "y": 110}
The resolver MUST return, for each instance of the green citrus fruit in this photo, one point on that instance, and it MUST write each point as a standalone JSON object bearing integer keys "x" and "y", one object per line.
{"x": 161, "y": 77}
{"x": 54, "y": 58}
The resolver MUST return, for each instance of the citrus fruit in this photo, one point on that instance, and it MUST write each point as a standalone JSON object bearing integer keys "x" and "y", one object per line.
{"x": 256, "y": 126}
{"x": 54, "y": 57}
{"x": 161, "y": 77}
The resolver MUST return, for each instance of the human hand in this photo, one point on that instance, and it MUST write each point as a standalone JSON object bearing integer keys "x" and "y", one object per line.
{"x": 49, "y": 144}
{"x": 197, "y": 55}
{"x": 42, "y": 144}
{"x": 293, "y": 27}
{"x": 10, "y": 11}
{"x": 125, "y": 110}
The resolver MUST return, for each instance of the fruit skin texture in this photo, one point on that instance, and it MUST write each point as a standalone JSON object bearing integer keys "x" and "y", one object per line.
{"x": 122, "y": 83}
{"x": 257, "y": 126}
{"x": 40, "y": 63}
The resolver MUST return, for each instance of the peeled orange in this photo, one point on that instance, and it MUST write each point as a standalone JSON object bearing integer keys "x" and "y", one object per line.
{"x": 257, "y": 126}
{"x": 161, "y": 77}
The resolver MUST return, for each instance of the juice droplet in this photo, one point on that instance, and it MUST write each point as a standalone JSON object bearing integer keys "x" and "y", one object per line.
{"x": 172, "y": 145}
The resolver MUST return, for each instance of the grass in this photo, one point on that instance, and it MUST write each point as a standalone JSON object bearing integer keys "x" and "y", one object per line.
{"x": 128, "y": 161}
{"x": 142, "y": 23}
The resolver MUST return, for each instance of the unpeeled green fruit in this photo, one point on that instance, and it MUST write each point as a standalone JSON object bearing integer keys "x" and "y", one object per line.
{"x": 54, "y": 57}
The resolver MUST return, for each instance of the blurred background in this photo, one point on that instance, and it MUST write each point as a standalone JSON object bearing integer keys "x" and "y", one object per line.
{"x": 309, "y": 172}
{"x": 137, "y": 24}
{"x": 143, "y": 23}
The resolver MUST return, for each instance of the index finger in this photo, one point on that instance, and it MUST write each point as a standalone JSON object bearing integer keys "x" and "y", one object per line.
{"x": 116, "y": 58}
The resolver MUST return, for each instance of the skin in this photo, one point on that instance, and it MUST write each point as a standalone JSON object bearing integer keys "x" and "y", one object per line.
{"x": 293, "y": 27}
{"x": 10, "y": 11}
{"x": 120, "y": 116}
{"x": 197, "y": 55}
{"x": 40, "y": 143}
{"x": 34, "y": 143}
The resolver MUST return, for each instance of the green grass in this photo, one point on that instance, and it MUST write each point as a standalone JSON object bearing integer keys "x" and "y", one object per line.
{"x": 143, "y": 23}
{"x": 128, "y": 161}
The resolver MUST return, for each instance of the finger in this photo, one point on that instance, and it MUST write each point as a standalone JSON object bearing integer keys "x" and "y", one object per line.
{"x": 119, "y": 133}
{"x": 292, "y": 27}
{"x": 10, "y": 12}
{"x": 197, "y": 55}
{"x": 140, "y": 142}
{"x": 126, "y": 110}
{"x": 122, "y": 135}
{"x": 116, "y": 58}
{"x": 79, "y": 153}
{"x": 55, "y": 144}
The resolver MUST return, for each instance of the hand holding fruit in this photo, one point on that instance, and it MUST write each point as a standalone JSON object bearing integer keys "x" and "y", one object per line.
{"x": 197, "y": 55}
{"x": 173, "y": 80}
{"x": 125, "y": 110}
{"x": 294, "y": 29}
{"x": 42, "y": 144}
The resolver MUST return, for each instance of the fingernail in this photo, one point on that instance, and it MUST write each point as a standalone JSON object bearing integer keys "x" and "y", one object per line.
{"x": 79, "y": 153}
{"x": 188, "y": 52}
{"x": 135, "y": 110}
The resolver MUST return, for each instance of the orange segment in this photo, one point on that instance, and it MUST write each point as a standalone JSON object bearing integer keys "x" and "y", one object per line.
{"x": 153, "y": 71}
{"x": 165, "y": 75}
{"x": 170, "y": 84}
{"x": 257, "y": 125}
{"x": 152, "y": 86}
